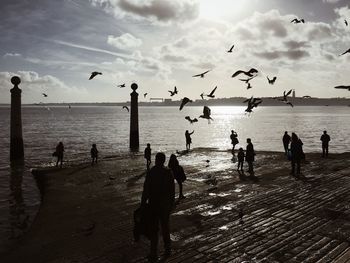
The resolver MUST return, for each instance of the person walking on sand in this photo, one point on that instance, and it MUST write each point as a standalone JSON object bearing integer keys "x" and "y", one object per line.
{"x": 159, "y": 192}
{"x": 296, "y": 147}
{"x": 94, "y": 154}
{"x": 250, "y": 156}
{"x": 188, "y": 139}
{"x": 286, "y": 140}
{"x": 178, "y": 173}
{"x": 147, "y": 155}
{"x": 234, "y": 140}
{"x": 325, "y": 138}
{"x": 240, "y": 159}
{"x": 59, "y": 153}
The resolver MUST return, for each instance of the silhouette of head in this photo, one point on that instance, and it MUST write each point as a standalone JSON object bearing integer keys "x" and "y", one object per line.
{"x": 148, "y": 145}
{"x": 60, "y": 143}
{"x": 294, "y": 137}
{"x": 240, "y": 149}
{"x": 173, "y": 162}
{"x": 160, "y": 159}
{"x": 231, "y": 131}
{"x": 186, "y": 131}
{"x": 324, "y": 132}
{"x": 249, "y": 140}
{"x": 94, "y": 145}
{"x": 286, "y": 132}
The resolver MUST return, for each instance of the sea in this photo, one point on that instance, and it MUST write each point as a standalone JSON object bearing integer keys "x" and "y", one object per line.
{"x": 163, "y": 127}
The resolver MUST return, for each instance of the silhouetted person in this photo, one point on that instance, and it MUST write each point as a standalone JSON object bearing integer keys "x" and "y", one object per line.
{"x": 240, "y": 157}
{"x": 94, "y": 154}
{"x": 325, "y": 138}
{"x": 234, "y": 140}
{"x": 188, "y": 139}
{"x": 59, "y": 153}
{"x": 178, "y": 172}
{"x": 286, "y": 140}
{"x": 159, "y": 191}
{"x": 147, "y": 155}
{"x": 296, "y": 148}
{"x": 250, "y": 156}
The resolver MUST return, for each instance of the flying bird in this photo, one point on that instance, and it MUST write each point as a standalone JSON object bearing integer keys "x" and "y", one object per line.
{"x": 343, "y": 87}
{"x": 346, "y": 22}
{"x": 126, "y": 107}
{"x": 201, "y": 74}
{"x": 247, "y": 80}
{"x": 249, "y": 73}
{"x": 211, "y": 95}
{"x": 252, "y": 103}
{"x": 288, "y": 103}
{"x": 285, "y": 98}
{"x": 206, "y": 114}
{"x": 121, "y": 85}
{"x": 191, "y": 120}
{"x": 230, "y": 50}
{"x": 144, "y": 95}
{"x": 202, "y": 96}
{"x": 184, "y": 101}
{"x": 44, "y": 94}
{"x": 249, "y": 86}
{"x": 297, "y": 21}
{"x": 172, "y": 93}
{"x": 348, "y": 51}
{"x": 94, "y": 74}
{"x": 271, "y": 81}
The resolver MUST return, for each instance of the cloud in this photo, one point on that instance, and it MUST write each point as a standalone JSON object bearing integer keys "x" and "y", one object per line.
{"x": 125, "y": 41}
{"x": 158, "y": 10}
{"x": 290, "y": 54}
{"x": 292, "y": 44}
{"x": 12, "y": 55}
{"x": 330, "y": 1}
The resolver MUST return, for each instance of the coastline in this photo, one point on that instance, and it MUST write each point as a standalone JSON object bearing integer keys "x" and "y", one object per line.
{"x": 86, "y": 212}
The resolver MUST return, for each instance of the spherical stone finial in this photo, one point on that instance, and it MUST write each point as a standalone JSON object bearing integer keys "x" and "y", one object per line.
{"x": 134, "y": 86}
{"x": 15, "y": 80}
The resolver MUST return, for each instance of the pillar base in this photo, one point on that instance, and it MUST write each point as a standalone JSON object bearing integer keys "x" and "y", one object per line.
{"x": 134, "y": 140}
{"x": 16, "y": 149}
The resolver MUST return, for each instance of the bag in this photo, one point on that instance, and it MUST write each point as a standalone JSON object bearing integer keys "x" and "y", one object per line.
{"x": 142, "y": 222}
{"x": 54, "y": 154}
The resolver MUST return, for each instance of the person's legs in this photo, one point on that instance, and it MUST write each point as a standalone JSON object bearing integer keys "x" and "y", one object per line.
{"x": 154, "y": 223}
{"x": 180, "y": 190}
{"x": 298, "y": 167}
{"x": 293, "y": 166}
{"x": 326, "y": 150}
{"x": 242, "y": 166}
{"x": 323, "y": 150}
{"x": 285, "y": 148}
{"x": 164, "y": 223}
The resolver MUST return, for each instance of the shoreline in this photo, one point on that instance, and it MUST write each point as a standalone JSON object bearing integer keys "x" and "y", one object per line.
{"x": 118, "y": 181}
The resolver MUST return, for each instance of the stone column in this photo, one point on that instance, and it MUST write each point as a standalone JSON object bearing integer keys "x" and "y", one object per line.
{"x": 134, "y": 119}
{"x": 16, "y": 141}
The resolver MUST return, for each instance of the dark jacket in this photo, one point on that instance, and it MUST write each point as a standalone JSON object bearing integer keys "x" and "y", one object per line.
{"x": 147, "y": 153}
{"x": 240, "y": 156}
{"x": 159, "y": 189}
{"x": 296, "y": 148}
{"x": 325, "y": 138}
{"x": 94, "y": 152}
{"x": 179, "y": 173}
{"x": 250, "y": 153}
{"x": 286, "y": 139}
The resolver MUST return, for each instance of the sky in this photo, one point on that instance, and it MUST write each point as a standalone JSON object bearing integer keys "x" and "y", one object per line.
{"x": 54, "y": 45}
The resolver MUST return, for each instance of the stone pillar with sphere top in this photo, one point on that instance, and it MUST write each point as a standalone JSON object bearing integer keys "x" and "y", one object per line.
{"x": 134, "y": 119}
{"x": 16, "y": 137}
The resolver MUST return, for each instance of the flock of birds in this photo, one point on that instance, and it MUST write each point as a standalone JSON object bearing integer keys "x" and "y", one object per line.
{"x": 250, "y": 75}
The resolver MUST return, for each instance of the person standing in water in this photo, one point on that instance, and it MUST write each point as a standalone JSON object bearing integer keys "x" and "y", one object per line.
{"x": 188, "y": 139}
{"x": 59, "y": 153}
{"x": 94, "y": 154}
{"x": 234, "y": 140}
{"x": 179, "y": 173}
{"x": 147, "y": 155}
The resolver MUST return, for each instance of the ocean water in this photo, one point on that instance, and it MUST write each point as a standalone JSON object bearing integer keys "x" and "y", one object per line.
{"x": 162, "y": 127}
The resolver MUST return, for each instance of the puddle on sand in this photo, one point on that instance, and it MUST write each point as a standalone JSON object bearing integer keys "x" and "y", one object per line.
{"x": 223, "y": 227}
{"x": 211, "y": 213}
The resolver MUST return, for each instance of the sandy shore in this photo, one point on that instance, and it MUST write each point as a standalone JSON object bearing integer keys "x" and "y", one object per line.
{"x": 86, "y": 212}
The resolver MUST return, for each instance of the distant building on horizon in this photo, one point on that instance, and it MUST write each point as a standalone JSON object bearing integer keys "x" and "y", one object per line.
{"x": 293, "y": 93}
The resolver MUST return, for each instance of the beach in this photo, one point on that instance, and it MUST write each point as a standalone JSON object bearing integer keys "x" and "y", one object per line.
{"x": 86, "y": 214}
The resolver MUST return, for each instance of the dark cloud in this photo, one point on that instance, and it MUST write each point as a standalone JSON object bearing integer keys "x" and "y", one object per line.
{"x": 290, "y": 54}
{"x": 174, "y": 58}
{"x": 291, "y": 44}
{"x": 163, "y": 10}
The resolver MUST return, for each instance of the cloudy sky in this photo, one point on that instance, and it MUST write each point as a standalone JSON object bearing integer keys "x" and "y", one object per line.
{"x": 54, "y": 45}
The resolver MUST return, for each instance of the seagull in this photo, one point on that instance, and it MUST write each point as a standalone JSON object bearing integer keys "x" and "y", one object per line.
{"x": 249, "y": 86}
{"x": 191, "y": 120}
{"x": 144, "y": 95}
{"x": 121, "y": 86}
{"x": 201, "y": 74}
{"x": 45, "y": 95}
{"x": 230, "y": 50}
{"x": 271, "y": 81}
{"x": 184, "y": 101}
{"x": 172, "y": 93}
{"x": 247, "y": 73}
{"x": 206, "y": 114}
{"x": 346, "y": 22}
{"x": 288, "y": 103}
{"x": 297, "y": 21}
{"x": 285, "y": 95}
{"x": 94, "y": 74}
{"x": 252, "y": 103}
{"x": 126, "y": 107}
{"x": 343, "y": 87}
{"x": 211, "y": 95}
{"x": 247, "y": 80}
{"x": 348, "y": 51}
{"x": 202, "y": 96}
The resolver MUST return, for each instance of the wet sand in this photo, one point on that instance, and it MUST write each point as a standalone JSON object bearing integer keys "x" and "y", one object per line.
{"x": 86, "y": 212}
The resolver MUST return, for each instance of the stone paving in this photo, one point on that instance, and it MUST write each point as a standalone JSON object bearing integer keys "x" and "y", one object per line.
{"x": 86, "y": 215}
